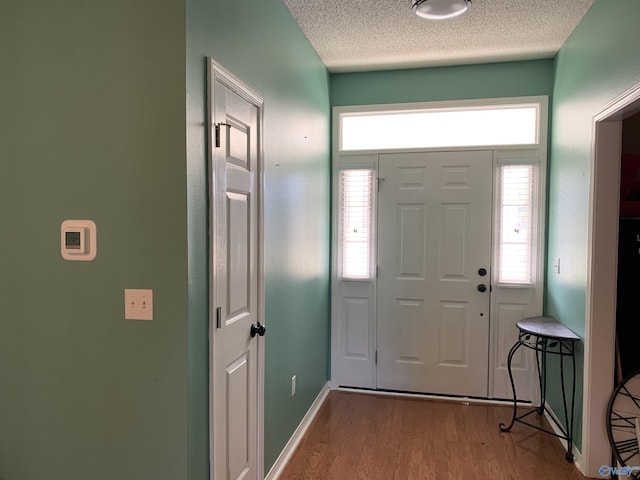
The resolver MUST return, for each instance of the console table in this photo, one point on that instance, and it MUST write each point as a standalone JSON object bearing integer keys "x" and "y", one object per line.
{"x": 547, "y": 336}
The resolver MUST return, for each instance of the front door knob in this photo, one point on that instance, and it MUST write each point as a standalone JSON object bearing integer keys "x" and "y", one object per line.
{"x": 258, "y": 328}
{"x": 482, "y": 287}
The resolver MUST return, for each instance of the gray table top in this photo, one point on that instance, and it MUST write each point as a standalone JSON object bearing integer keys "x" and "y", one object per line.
{"x": 547, "y": 327}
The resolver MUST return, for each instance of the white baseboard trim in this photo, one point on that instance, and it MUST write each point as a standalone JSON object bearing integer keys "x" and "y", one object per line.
{"x": 577, "y": 455}
{"x": 294, "y": 441}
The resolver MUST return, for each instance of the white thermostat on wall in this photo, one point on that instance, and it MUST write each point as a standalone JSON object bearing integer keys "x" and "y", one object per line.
{"x": 78, "y": 240}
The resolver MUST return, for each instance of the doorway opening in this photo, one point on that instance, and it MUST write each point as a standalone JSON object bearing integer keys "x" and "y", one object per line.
{"x": 409, "y": 212}
{"x": 602, "y": 261}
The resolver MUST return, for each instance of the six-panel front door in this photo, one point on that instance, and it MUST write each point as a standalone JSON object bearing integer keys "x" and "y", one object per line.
{"x": 234, "y": 250}
{"x": 434, "y": 251}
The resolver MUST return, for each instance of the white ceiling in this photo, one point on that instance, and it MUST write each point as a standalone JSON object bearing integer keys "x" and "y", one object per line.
{"x": 358, "y": 35}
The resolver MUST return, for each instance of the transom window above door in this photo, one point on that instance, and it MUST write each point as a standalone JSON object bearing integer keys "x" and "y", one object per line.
{"x": 453, "y": 126}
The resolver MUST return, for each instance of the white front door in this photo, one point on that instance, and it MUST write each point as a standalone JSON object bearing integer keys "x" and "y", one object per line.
{"x": 237, "y": 355}
{"x": 434, "y": 241}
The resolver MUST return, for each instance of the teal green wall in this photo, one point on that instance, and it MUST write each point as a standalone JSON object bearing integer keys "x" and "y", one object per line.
{"x": 93, "y": 121}
{"x": 598, "y": 62}
{"x": 259, "y": 42}
{"x": 92, "y": 127}
{"x": 511, "y": 79}
{"x": 92, "y": 96}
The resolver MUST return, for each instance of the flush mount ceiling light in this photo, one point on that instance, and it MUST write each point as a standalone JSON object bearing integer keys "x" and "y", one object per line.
{"x": 440, "y": 9}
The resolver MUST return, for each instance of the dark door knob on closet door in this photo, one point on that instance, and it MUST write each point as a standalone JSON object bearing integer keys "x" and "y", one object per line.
{"x": 259, "y": 329}
{"x": 482, "y": 287}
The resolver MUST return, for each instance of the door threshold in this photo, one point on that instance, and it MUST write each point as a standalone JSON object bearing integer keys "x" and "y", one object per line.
{"x": 466, "y": 400}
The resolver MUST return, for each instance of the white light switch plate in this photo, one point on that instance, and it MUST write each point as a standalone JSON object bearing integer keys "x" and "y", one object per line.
{"x": 138, "y": 304}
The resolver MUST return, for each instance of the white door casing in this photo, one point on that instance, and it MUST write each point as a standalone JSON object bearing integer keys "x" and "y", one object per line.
{"x": 355, "y": 304}
{"x": 434, "y": 236}
{"x": 235, "y": 298}
{"x": 602, "y": 261}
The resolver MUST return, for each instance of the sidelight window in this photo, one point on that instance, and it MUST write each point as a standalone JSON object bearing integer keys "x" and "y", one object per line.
{"x": 356, "y": 222}
{"x": 518, "y": 218}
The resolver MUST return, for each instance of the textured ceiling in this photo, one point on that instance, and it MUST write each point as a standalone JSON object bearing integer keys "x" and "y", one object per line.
{"x": 357, "y": 35}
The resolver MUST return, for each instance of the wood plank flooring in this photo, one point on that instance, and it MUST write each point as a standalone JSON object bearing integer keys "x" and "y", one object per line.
{"x": 365, "y": 436}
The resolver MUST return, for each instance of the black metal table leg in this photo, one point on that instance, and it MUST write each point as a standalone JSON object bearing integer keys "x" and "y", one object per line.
{"x": 512, "y": 352}
{"x": 542, "y": 375}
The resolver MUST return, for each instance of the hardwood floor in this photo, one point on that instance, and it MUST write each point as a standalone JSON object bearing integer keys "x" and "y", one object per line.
{"x": 364, "y": 436}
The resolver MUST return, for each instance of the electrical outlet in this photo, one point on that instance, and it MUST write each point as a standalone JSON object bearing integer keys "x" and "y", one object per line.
{"x": 138, "y": 304}
{"x": 293, "y": 385}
